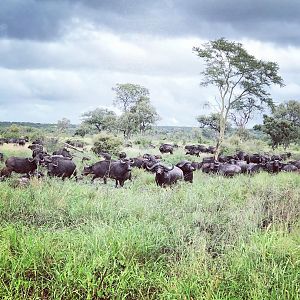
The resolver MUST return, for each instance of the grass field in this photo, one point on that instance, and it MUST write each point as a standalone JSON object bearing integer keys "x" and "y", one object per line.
{"x": 217, "y": 238}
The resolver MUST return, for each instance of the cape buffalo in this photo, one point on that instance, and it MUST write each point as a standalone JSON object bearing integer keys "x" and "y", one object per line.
{"x": 23, "y": 165}
{"x": 227, "y": 170}
{"x": 61, "y": 167}
{"x": 272, "y": 166}
{"x": 289, "y": 168}
{"x": 64, "y": 152}
{"x": 166, "y": 148}
{"x": 118, "y": 170}
{"x": 165, "y": 176}
{"x": 138, "y": 162}
{"x": 187, "y": 170}
{"x": 98, "y": 170}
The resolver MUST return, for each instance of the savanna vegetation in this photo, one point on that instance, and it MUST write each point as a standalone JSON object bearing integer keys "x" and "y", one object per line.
{"x": 217, "y": 238}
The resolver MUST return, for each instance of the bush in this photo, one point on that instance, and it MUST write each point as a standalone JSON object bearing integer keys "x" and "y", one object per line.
{"x": 105, "y": 142}
{"x": 143, "y": 142}
{"x": 52, "y": 144}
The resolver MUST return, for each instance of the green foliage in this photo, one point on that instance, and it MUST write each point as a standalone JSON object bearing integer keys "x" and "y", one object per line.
{"x": 128, "y": 94}
{"x": 13, "y": 131}
{"x": 138, "y": 113}
{"x": 83, "y": 130}
{"x": 144, "y": 114}
{"x": 143, "y": 141}
{"x": 101, "y": 119}
{"x": 211, "y": 121}
{"x": 283, "y": 127}
{"x": 109, "y": 143}
{"x": 52, "y": 144}
{"x": 63, "y": 124}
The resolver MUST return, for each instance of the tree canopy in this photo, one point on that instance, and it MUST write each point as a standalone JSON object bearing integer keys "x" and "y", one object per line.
{"x": 211, "y": 121}
{"x": 138, "y": 114}
{"x": 128, "y": 94}
{"x": 101, "y": 118}
{"x": 283, "y": 126}
{"x": 238, "y": 76}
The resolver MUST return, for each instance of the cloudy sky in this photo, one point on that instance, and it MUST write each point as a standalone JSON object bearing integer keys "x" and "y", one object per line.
{"x": 60, "y": 58}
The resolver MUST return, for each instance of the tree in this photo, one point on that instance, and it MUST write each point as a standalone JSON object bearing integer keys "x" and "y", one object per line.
{"x": 238, "y": 76}
{"x": 127, "y": 124}
{"x": 63, "y": 124}
{"x": 128, "y": 94}
{"x": 82, "y": 130}
{"x": 283, "y": 127}
{"x": 144, "y": 114}
{"x": 101, "y": 118}
{"x": 243, "y": 112}
{"x": 108, "y": 143}
{"x": 138, "y": 113}
{"x": 289, "y": 111}
{"x": 211, "y": 121}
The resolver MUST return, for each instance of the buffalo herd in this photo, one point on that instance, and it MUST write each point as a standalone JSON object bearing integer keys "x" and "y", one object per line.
{"x": 60, "y": 164}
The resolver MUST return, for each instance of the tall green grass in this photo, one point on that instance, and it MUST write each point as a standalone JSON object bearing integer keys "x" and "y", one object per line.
{"x": 217, "y": 238}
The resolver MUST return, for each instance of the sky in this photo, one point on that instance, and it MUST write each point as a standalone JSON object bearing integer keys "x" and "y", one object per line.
{"x": 61, "y": 58}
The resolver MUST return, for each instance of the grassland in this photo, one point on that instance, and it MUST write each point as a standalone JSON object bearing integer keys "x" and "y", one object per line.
{"x": 217, "y": 238}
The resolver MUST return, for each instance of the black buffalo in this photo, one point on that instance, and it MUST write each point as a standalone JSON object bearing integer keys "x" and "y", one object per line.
{"x": 37, "y": 149}
{"x": 192, "y": 150}
{"x": 250, "y": 168}
{"x": 138, "y": 162}
{"x": 211, "y": 149}
{"x": 166, "y": 148}
{"x": 1, "y": 157}
{"x": 187, "y": 169}
{"x": 272, "y": 166}
{"x": 21, "y": 142}
{"x": 122, "y": 155}
{"x": 241, "y": 155}
{"x": 165, "y": 176}
{"x": 289, "y": 168}
{"x": 118, "y": 170}
{"x": 23, "y": 165}
{"x": 98, "y": 170}
{"x": 296, "y": 163}
{"x": 60, "y": 166}
{"x": 64, "y": 152}
{"x": 228, "y": 170}
{"x": 197, "y": 165}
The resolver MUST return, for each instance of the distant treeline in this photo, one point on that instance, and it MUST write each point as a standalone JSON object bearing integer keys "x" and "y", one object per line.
{"x": 30, "y": 124}
{"x": 52, "y": 125}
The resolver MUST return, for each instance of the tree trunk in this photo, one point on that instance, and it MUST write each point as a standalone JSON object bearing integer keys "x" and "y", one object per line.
{"x": 220, "y": 140}
{"x": 222, "y": 130}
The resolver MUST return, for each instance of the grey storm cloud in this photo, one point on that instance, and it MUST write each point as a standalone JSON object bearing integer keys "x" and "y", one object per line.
{"x": 271, "y": 20}
{"x": 60, "y": 58}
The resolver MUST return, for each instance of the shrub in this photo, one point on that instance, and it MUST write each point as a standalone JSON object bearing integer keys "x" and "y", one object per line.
{"x": 143, "y": 142}
{"x": 105, "y": 142}
{"x": 52, "y": 144}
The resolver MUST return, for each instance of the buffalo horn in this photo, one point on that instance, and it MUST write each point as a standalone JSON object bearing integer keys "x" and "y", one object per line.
{"x": 181, "y": 164}
{"x": 154, "y": 166}
{"x": 168, "y": 168}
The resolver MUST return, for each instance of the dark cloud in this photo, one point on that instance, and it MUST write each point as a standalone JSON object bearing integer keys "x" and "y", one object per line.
{"x": 272, "y": 20}
{"x": 33, "y": 19}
